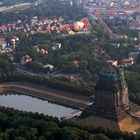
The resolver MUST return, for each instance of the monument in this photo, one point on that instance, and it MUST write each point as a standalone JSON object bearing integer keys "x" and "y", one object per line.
{"x": 111, "y": 96}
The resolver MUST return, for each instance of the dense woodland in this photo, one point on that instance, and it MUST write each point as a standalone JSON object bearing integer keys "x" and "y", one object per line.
{"x": 118, "y": 26}
{"x": 19, "y": 125}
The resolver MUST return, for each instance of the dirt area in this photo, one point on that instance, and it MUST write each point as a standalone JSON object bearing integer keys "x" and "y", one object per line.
{"x": 129, "y": 124}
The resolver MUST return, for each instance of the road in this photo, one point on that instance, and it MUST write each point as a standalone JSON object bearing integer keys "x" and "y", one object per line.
{"x": 96, "y": 12}
{"x": 15, "y": 7}
{"x": 21, "y": 6}
{"x": 57, "y": 96}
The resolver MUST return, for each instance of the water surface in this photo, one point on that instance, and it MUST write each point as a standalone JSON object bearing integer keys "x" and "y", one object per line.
{"x": 28, "y": 103}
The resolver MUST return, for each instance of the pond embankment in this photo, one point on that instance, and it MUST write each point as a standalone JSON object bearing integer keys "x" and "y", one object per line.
{"x": 65, "y": 98}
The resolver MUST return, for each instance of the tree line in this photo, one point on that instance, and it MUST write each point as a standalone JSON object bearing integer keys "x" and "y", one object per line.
{"x": 22, "y": 125}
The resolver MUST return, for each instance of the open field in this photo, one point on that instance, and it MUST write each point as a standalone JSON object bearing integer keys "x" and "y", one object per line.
{"x": 128, "y": 124}
{"x": 94, "y": 121}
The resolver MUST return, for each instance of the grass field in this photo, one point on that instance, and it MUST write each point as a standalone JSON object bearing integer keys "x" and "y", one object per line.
{"x": 94, "y": 121}
{"x": 128, "y": 124}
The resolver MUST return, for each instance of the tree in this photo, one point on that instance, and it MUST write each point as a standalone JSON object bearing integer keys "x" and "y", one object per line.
{"x": 20, "y": 138}
{"x": 98, "y": 137}
{"x": 68, "y": 134}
